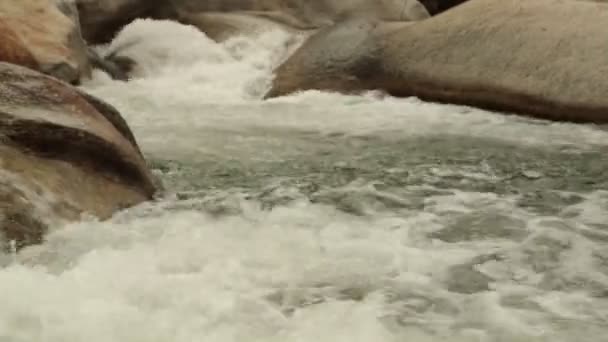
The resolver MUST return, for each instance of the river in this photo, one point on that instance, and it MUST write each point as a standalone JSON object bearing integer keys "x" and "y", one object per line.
{"x": 321, "y": 217}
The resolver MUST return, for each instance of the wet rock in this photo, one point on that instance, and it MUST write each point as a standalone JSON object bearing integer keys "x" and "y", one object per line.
{"x": 491, "y": 54}
{"x": 337, "y": 58}
{"x": 44, "y": 35}
{"x": 63, "y": 154}
{"x": 118, "y": 67}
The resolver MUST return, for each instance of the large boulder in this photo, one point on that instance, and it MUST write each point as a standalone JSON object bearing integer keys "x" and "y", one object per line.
{"x": 63, "y": 154}
{"x": 44, "y": 35}
{"x": 542, "y": 58}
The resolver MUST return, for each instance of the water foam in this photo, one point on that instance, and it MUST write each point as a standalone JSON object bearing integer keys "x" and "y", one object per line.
{"x": 182, "y": 71}
{"x": 422, "y": 262}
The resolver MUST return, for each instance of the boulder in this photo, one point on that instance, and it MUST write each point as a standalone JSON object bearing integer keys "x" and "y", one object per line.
{"x": 63, "y": 154}
{"x": 541, "y": 58}
{"x": 44, "y": 35}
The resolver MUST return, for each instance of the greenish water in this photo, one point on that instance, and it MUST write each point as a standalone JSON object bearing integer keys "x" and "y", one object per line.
{"x": 546, "y": 179}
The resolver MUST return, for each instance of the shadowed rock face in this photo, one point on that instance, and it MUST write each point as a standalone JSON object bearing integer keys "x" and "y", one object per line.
{"x": 101, "y": 19}
{"x": 541, "y": 58}
{"x": 43, "y": 35}
{"x": 437, "y": 6}
{"x": 62, "y": 153}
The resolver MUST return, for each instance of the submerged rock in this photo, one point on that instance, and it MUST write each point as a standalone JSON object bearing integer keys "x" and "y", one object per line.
{"x": 118, "y": 67}
{"x": 539, "y": 58}
{"x": 312, "y": 12}
{"x": 63, "y": 153}
{"x": 44, "y": 35}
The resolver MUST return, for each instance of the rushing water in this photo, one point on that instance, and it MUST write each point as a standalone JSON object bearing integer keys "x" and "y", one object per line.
{"x": 322, "y": 217}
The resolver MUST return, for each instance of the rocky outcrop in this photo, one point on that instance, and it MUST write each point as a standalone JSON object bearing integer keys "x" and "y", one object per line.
{"x": 43, "y": 35}
{"x": 63, "y": 153}
{"x": 541, "y": 58}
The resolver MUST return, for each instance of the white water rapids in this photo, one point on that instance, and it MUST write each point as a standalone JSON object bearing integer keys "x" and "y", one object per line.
{"x": 321, "y": 217}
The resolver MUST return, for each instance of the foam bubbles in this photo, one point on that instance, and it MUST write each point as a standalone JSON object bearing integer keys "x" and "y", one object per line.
{"x": 435, "y": 259}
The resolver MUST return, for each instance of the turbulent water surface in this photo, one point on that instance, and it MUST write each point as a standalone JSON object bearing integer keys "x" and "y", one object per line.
{"x": 322, "y": 217}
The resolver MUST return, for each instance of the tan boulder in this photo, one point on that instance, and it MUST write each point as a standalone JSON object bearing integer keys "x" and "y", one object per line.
{"x": 39, "y": 35}
{"x": 542, "y": 58}
{"x": 63, "y": 154}
{"x": 13, "y": 50}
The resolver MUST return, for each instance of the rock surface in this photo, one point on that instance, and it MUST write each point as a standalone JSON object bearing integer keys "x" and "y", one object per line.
{"x": 63, "y": 153}
{"x": 44, "y": 35}
{"x": 542, "y": 58}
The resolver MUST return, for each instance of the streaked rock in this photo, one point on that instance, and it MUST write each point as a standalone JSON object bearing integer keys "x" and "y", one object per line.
{"x": 63, "y": 154}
